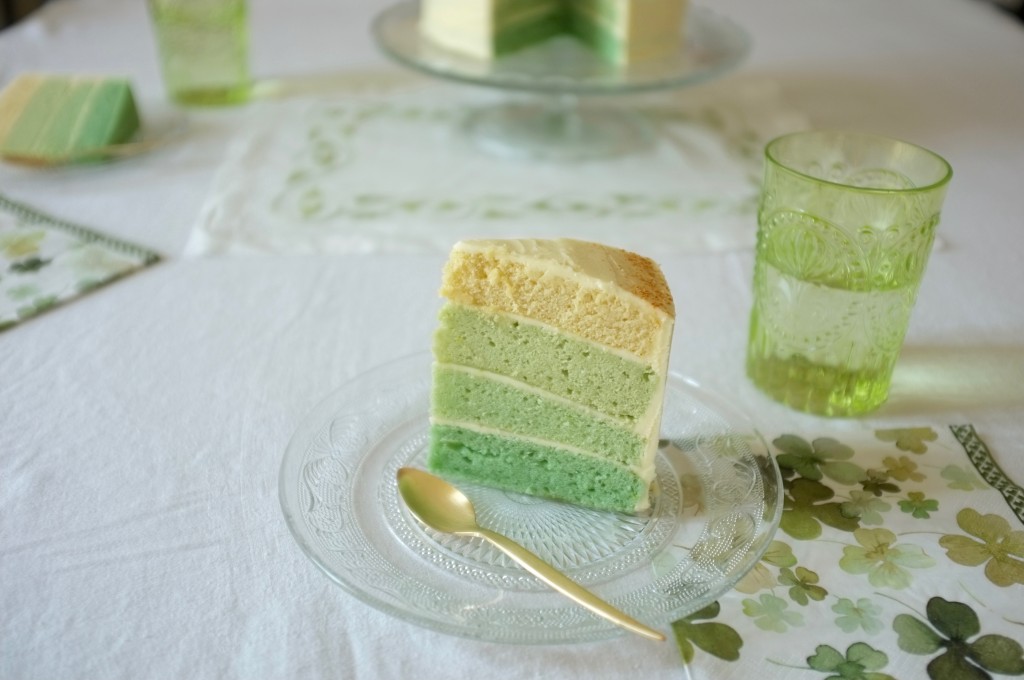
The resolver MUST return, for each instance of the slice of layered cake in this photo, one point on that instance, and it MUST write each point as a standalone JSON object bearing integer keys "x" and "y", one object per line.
{"x": 47, "y": 119}
{"x": 621, "y": 31}
{"x": 550, "y": 368}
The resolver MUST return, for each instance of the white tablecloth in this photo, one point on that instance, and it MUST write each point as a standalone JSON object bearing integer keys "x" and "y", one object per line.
{"x": 142, "y": 426}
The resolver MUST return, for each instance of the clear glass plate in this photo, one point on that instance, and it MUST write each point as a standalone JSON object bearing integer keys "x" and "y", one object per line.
{"x": 715, "y": 507}
{"x": 712, "y": 46}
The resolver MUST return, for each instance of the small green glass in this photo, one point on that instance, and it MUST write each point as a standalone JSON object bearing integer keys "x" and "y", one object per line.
{"x": 846, "y": 223}
{"x": 204, "y": 50}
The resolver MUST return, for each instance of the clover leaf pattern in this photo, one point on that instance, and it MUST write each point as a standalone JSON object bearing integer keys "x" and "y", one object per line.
{"x": 919, "y": 506}
{"x": 772, "y": 613}
{"x": 805, "y": 510}
{"x": 860, "y": 662}
{"x": 803, "y": 585}
{"x": 953, "y": 624}
{"x": 1000, "y": 549}
{"x": 822, "y": 457}
{"x": 862, "y": 614}
{"x": 866, "y": 506}
{"x": 715, "y": 638}
{"x": 45, "y": 261}
{"x": 962, "y": 478}
{"x": 868, "y": 536}
{"x": 778, "y": 554}
{"x": 883, "y": 560}
{"x": 909, "y": 438}
{"x": 902, "y": 469}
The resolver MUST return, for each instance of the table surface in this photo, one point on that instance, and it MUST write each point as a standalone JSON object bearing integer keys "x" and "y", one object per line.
{"x": 143, "y": 425}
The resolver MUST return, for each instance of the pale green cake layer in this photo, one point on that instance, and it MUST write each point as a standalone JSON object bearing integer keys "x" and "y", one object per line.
{"x": 543, "y": 358}
{"x": 474, "y": 397}
{"x": 530, "y": 468}
{"x": 53, "y": 118}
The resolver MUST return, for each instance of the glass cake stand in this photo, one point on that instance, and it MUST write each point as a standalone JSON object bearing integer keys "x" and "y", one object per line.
{"x": 558, "y": 72}
{"x": 716, "y": 503}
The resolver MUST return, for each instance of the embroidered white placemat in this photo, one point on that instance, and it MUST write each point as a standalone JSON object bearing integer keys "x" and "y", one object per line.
{"x": 388, "y": 168}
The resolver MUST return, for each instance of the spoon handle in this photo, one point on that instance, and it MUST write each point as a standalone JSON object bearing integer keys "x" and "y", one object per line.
{"x": 565, "y": 585}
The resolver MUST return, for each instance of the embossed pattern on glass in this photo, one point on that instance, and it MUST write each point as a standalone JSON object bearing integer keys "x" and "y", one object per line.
{"x": 716, "y": 506}
{"x": 846, "y": 225}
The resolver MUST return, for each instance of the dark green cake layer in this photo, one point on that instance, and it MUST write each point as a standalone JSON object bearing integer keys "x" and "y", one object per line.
{"x": 514, "y": 33}
{"x": 526, "y": 467}
{"x": 465, "y": 396}
{"x": 530, "y": 353}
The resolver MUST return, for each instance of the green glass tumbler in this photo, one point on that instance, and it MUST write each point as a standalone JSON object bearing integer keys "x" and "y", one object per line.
{"x": 846, "y": 223}
{"x": 204, "y": 50}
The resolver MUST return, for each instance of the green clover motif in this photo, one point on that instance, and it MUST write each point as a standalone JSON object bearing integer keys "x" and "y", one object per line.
{"x": 860, "y": 663}
{"x": 864, "y": 614}
{"x": 824, "y": 456}
{"x": 778, "y": 554}
{"x": 902, "y": 469}
{"x": 877, "y": 482}
{"x": 998, "y": 548}
{"x": 866, "y": 506}
{"x": 40, "y": 304}
{"x": 769, "y": 613}
{"x": 919, "y": 506}
{"x": 959, "y": 478}
{"x": 803, "y": 585}
{"x": 955, "y": 623}
{"x": 28, "y": 266}
{"x": 715, "y": 638}
{"x": 803, "y": 511}
{"x": 882, "y": 560}
{"x": 908, "y": 438}
{"x": 22, "y": 292}
{"x": 19, "y": 243}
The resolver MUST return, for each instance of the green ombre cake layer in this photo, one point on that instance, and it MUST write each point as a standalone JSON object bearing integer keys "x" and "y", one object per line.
{"x": 535, "y": 468}
{"x": 550, "y": 368}
{"x": 51, "y": 119}
{"x": 620, "y": 31}
{"x": 543, "y": 358}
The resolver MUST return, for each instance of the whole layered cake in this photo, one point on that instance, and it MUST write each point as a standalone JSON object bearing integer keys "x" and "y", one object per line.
{"x": 621, "y": 31}
{"x": 47, "y": 118}
{"x": 550, "y": 365}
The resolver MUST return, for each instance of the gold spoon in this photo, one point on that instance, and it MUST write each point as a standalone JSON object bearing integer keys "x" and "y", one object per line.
{"x": 441, "y": 506}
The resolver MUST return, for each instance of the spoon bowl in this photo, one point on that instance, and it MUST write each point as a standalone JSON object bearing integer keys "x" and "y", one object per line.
{"x": 436, "y": 503}
{"x": 442, "y": 507}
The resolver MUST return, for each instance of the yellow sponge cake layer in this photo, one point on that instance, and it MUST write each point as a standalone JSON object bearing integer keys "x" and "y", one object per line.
{"x": 609, "y": 296}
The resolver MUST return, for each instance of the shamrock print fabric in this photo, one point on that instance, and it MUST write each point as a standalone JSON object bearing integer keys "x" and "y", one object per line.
{"x": 900, "y": 554}
{"x": 45, "y": 261}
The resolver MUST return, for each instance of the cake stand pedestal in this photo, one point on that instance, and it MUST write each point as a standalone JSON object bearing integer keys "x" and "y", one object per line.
{"x": 553, "y": 124}
{"x": 556, "y": 127}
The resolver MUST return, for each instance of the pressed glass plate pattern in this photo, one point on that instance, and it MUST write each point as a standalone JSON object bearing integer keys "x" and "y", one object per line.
{"x": 715, "y": 507}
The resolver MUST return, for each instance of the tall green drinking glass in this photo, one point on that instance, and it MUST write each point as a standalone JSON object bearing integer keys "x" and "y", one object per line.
{"x": 846, "y": 223}
{"x": 204, "y": 50}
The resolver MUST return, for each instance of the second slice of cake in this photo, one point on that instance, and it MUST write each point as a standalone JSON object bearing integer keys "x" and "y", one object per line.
{"x": 47, "y": 119}
{"x": 550, "y": 366}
